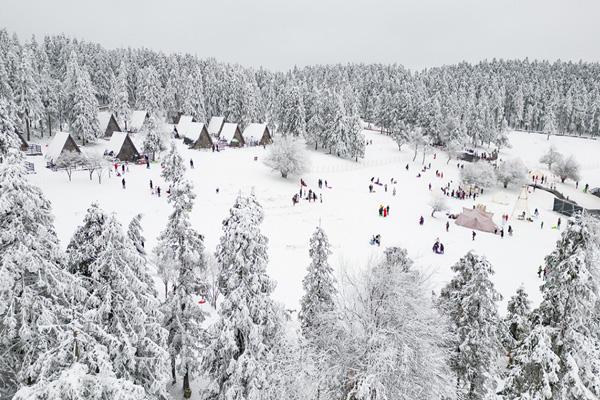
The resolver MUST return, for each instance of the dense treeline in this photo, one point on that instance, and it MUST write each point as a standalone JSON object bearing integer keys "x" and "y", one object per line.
{"x": 57, "y": 82}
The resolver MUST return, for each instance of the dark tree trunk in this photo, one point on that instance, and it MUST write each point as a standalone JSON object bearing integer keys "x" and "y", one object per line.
{"x": 173, "y": 373}
{"x": 187, "y": 390}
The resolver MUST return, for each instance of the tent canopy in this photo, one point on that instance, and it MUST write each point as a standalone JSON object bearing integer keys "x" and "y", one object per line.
{"x": 477, "y": 219}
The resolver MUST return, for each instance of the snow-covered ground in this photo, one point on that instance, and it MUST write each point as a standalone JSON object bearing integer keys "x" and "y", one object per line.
{"x": 349, "y": 213}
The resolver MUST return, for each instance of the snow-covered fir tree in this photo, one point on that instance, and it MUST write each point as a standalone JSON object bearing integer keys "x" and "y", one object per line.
{"x": 123, "y": 305}
{"x": 150, "y": 92}
{"x": 85, "y": 245}
{"x": 469, "y": 302}
{"x": 27, "y": 92}
{"x": 560, "y": 358}
{"x": 173, "y": 167}
{"x": 241, "y": 340}
{"x": 292, "y": 114}
{"x": 154, "y": 140}
{"x": 516, "y": 323}
{"x": 35, "y": 289}
{"x": 119, "y": 96}
{"x": 318, "y": 284}
{"x": 136, "y": 235}
{"x": 181, "y": 248}
{"x": 84, "y": 122}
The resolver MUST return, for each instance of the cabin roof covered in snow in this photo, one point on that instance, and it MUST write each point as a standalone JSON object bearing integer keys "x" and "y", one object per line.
{"x": 228, "y": 131}
{"x": 185, "y": 119}
{"x": 116, "y": 142}
{"x": 55, "y": 147}
{"x": 215, "y": 124}
{"x": 136, "y": 119}
{"x": 103, "y": 120}
{"x": 190, "y": 130}
{"x": 254, "y": 132}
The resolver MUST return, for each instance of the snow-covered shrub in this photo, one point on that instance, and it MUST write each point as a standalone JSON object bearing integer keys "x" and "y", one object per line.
{"x": 479, "y": 174}
{"x": 551, "y": 157}
{"x": 288, "y": 156}
{"x": 567, "y": 169}
{"x": 511, "y": 171}
{"x": 438, "y": 203}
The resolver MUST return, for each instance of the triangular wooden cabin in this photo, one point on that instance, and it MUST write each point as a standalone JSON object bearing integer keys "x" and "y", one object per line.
{"x": 61, "y": 142}
{"x": 257, "y": 134}
{"x": 195, "y": 135}
{"x": 107, "y": 123}
{"x": 232, "y": 135}
{"x": 215, "y": 125}
{"x": 122, "y": 148}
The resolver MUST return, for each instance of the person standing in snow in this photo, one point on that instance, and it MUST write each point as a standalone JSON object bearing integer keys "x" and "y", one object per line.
{"x": 510, "y": 230}
{"x": 394, "y": 192}
{"x": 421, "y": 220}
{"x": 447, "y": 226}
{"x": 151, "y": 185}
{"x": 473, "y": 235}
{"x": 191, "y": 163}
{"x": 558, "y": 223}
{"x": 158, "y": 190}
{"x": 123, "y": 182}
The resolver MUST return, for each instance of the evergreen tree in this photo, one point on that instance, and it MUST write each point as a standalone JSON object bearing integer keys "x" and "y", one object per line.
{"x": 561, "y": 356}
{"x": 150, "y": 93}
{"x": 517, "y": 319}
{"x": 318, "y": 284}
{"x": 85, "y": 245}
{"x": 182, "y": 248}
{"x": 153, "y": 141}
{"x": 27, "y": 92}
{"x": 135, "y": 234}
{"x": 292, "y": 113}
{"x": 468, "y": 300}
{"x": 246, "y": 331}
{"x": 84, "y": 122}
{"x": 35, "y": 290}
{"x": 119, "y": 96}
{"x": 123, "y": 304}
{"x": 173, "y": 167}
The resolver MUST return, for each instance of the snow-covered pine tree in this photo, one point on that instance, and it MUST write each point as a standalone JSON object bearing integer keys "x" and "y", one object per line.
{"x": 150, "y": 92}
{"x": 84, "y": 122}
{"x": 119, "y": 96}
{"x": 560, "y": 358}
{"x": 8, "y": 133}
{"x": 516, "y": 322}
{"x": 182, "y": 249}
{"x": 135, "y": 234}
{"x": 35, "y": 289}
{"x": 78, "y": 382}
{"x": 292, "y": 113}
{"x": 123, "y": 305}
{"x": 469, "y": 301}
{"x": 85, "y": 245}
{"x": 318, "y": 284}
{"x": 173, "y": 167}
{"x": 153, "y": 141}
{"x": 243, "y": 336}
{"x": 27, "y": 92}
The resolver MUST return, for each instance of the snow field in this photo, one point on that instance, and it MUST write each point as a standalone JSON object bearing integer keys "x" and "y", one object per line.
{"x": 348, "y": 214}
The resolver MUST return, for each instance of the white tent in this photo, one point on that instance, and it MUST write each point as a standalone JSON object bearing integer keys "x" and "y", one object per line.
{"x": 215, "y": 124}
{"x": 60, "y": 142}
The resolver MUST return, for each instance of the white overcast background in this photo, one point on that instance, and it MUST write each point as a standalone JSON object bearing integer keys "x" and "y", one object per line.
{"x": 279, "y": 34}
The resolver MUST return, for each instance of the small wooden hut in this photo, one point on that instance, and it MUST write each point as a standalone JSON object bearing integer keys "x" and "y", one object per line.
{"x": 121, "y": 147}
